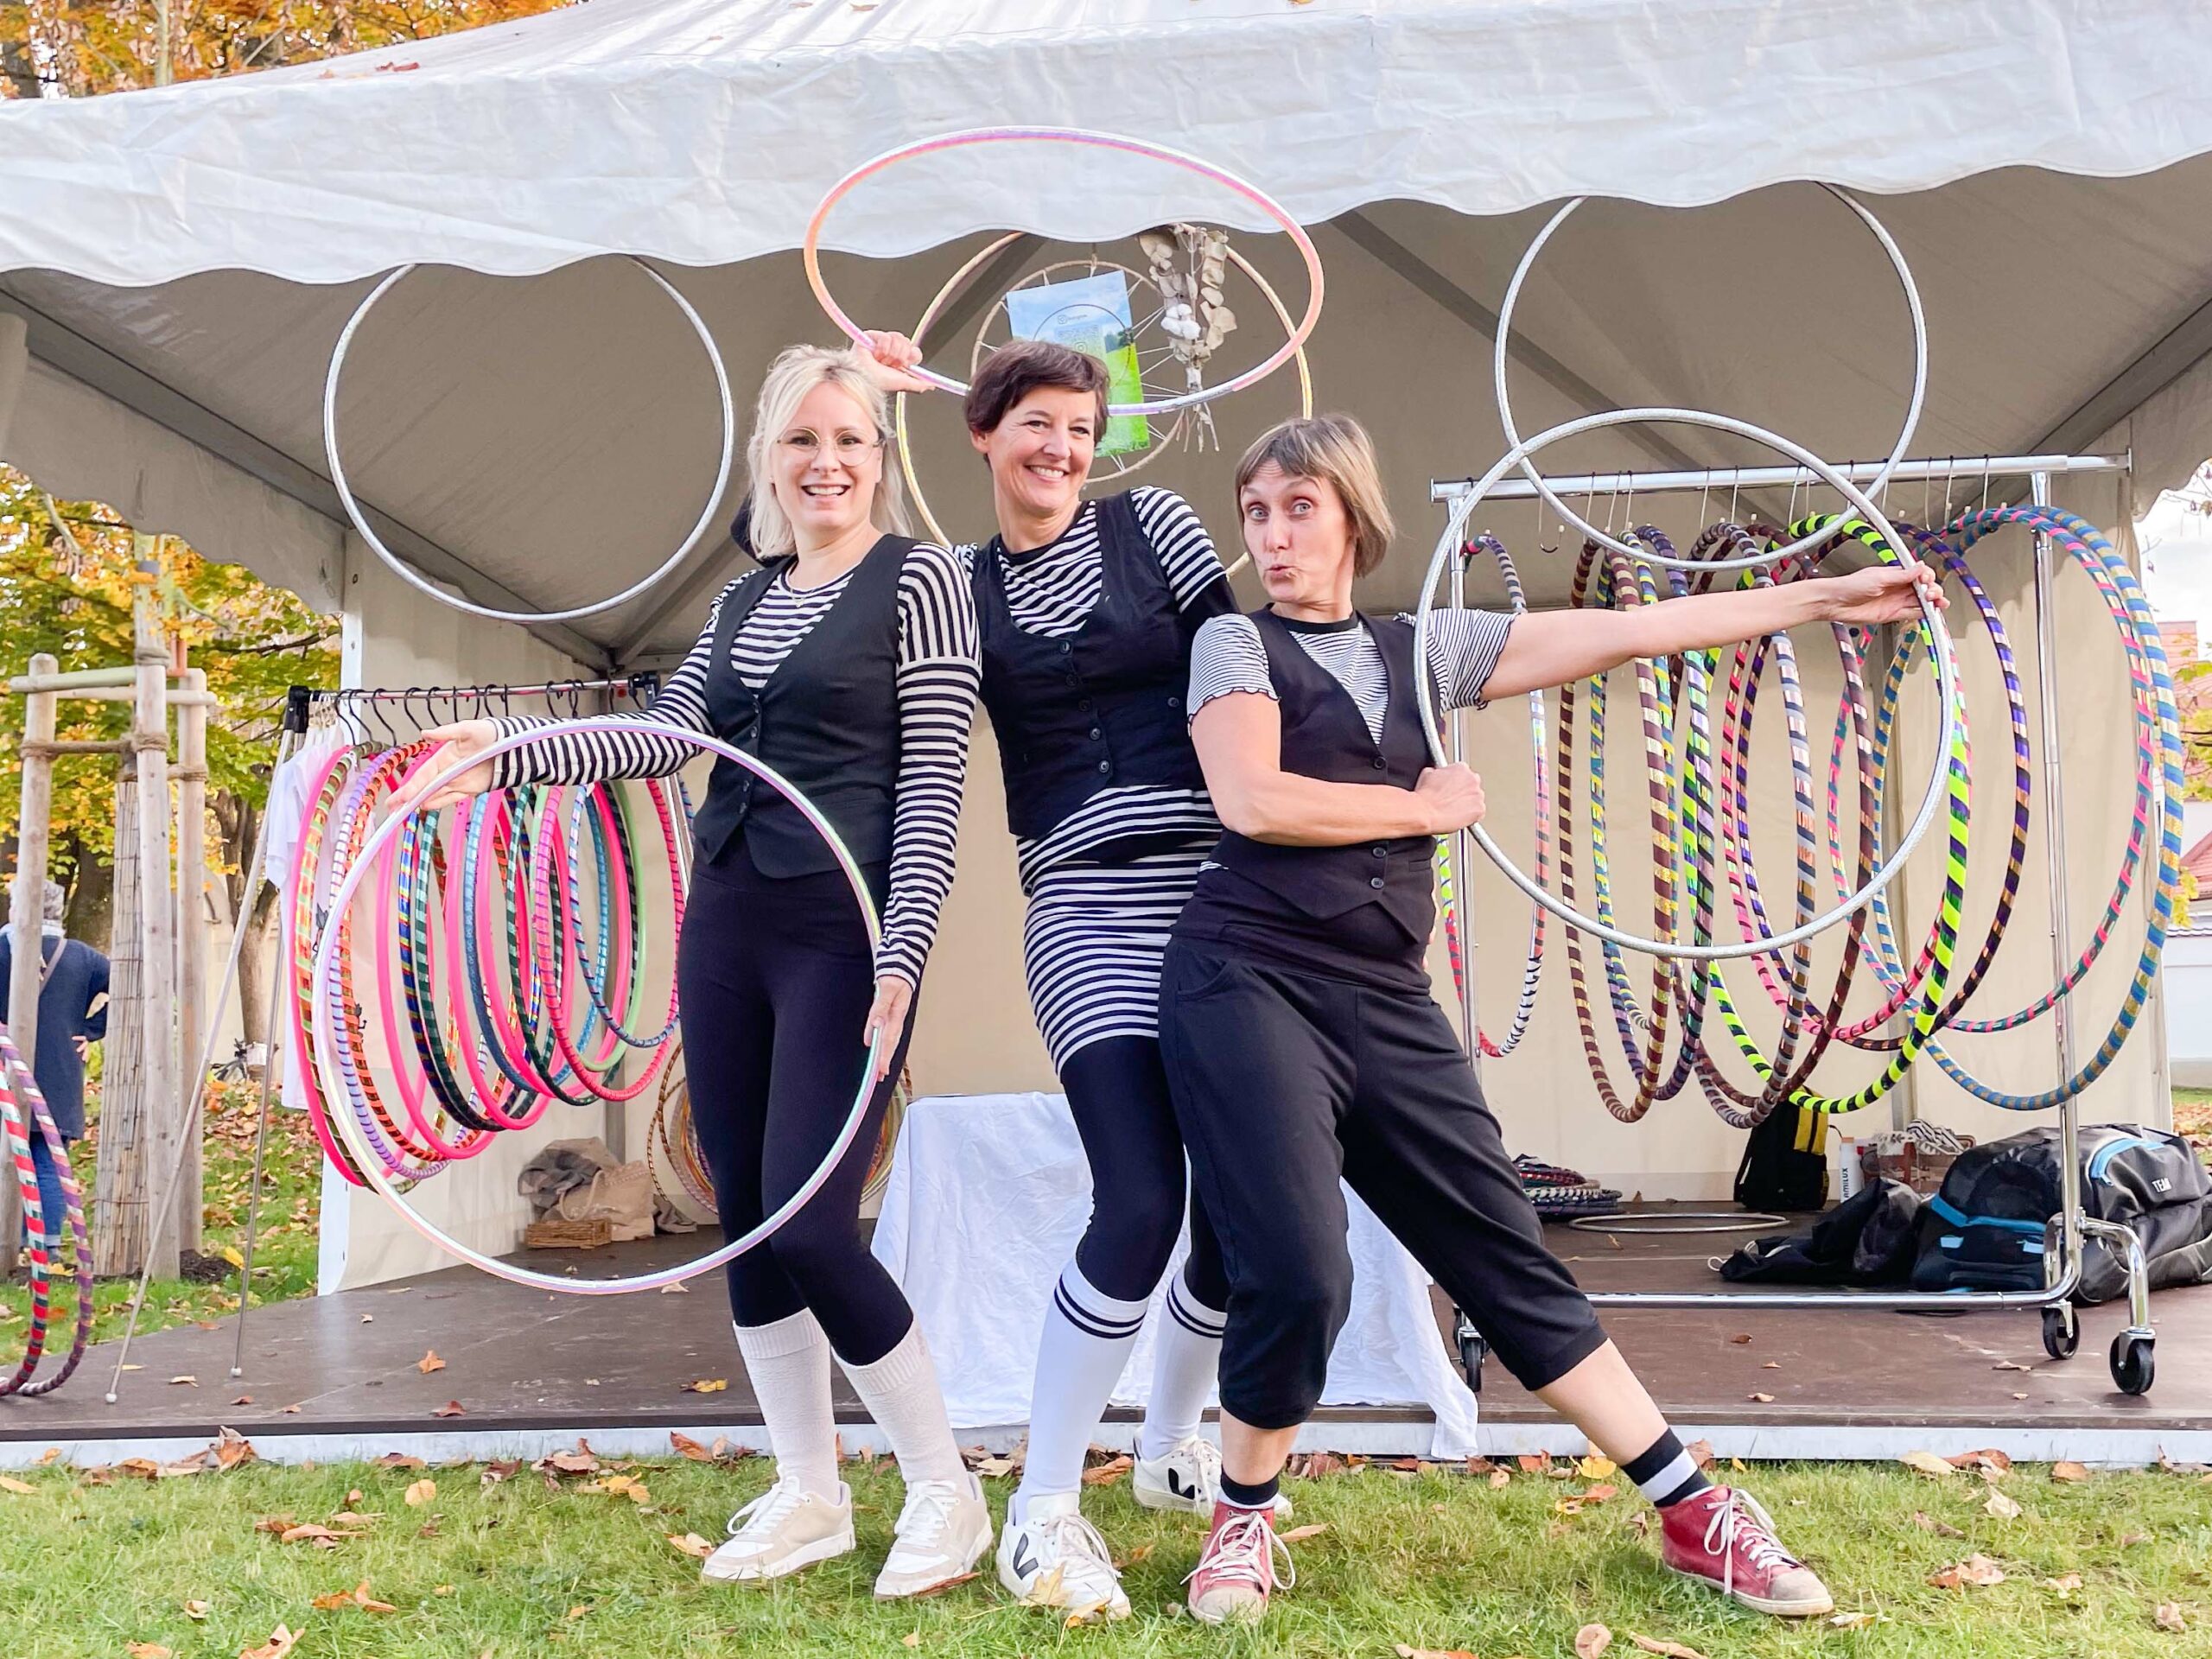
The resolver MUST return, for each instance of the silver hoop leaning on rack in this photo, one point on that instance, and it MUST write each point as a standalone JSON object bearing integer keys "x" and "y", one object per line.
{"x": 1504, "y": 332}
{"x": 1940, "y": 649}
{"x": 326, "y": 1054}
{"x": 1660, "y": 1224}
{"x": 407, "y": 573}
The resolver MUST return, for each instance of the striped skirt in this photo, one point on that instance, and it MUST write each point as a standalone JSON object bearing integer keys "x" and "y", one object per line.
{"x": 1092, "y": 943}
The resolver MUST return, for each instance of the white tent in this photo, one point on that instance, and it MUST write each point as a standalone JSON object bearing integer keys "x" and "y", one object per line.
{"x": 536, "y": 425}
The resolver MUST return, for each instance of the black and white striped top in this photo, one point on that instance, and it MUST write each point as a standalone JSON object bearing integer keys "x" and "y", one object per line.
{"x": 1464, "y": 647}
{"x": 1051, "y": 591}
{"x": 939, "y": 674}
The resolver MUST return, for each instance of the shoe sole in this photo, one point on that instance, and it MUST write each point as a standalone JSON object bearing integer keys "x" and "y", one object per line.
{"x": 823, "y": 1549}
{"x": 972, "y": 1555}
{"x": 1245, "y": 1612}
{"x": 1760, "y": 1604}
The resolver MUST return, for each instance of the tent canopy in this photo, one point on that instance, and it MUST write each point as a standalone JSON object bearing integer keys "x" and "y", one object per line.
{"x": 538, "y": 423}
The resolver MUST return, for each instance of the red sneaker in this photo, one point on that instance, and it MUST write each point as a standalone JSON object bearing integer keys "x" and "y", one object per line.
{"x": 1236, "y": 1569}
{"x": 1723, "y": 1538}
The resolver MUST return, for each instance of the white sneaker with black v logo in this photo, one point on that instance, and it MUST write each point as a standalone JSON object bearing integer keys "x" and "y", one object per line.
{"x": 1187, "y": 1476}
{"x": 1054, "y": 1558}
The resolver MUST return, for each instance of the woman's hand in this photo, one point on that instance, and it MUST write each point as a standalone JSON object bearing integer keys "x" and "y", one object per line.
{"x": 888, "y": 357}
{"x": 462, "y": 742}
{"x": 894, "y": 999}
{"x": 1882, "y": 592}
{"x": 1453, "y": 796}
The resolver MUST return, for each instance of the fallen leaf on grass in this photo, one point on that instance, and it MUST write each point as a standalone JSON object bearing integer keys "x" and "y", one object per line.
{"x": 53, "y": 1452}
{"x": 2166, "y": 1465}
{"x": 1853, "y": 1621}
{"x": 1133, "y": 1557}
{"x": 578, "y": 1610}
{"x": 308, "y": 1533}
{"x": 1978, "y": 1571}
{"x": 147, "y": 1650}
{"x": 619, "y": 1486}
{"x": 357, "y": 1597}
{"x": 690, "y": 1543}
{"x": 1405, "y": 1652}
{"x": 1590, "y": 1641}
{"x": 948, "y": 1584}
{"x": 2064, "y": 1585}
{"x": 1602, "y": 1493}
{"x": 579, "y": 1462}
{"x": 1701, "y": 1454}
{"x": 995, "y": 1468}
{"x": 1594, "y": 1467}
{"x": 707, "y": 1385}
{"x": 400, "y": 1460}
{"x": 685, "y": 1446}
{"x": 1928, "y": 1522}
{"x": 451, "y": 1408}
{"x": 2067, "y": 1470}
{"x": 1532, "y": 1464}
{"x": 912, "y": 1639}
{"x": 9, "y": 1482}
{"x": 279, "y": 1643}
{"x": 421, "y": 1493}
{"x": 2003, "y": 1508}
{"x": 1479, "y": 1466}
{"x": 1498, "y": 1477}
{"x": 1989, "y": 1461}
{"x": 2129, "y": 1540}
{"x": 1927, "y": 1464}
{"x": 1671, "y": 1650}
{"x": 1297, "y": 1534}
{"x": 1107, "y": 1472}
{"x": 2168, "y": 1617}
{"x": 429, "y": 1362}
{"x": 196, "y": 1609}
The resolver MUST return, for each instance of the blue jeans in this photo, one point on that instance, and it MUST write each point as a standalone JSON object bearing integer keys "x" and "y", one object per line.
{"x": 53, "y": 1207}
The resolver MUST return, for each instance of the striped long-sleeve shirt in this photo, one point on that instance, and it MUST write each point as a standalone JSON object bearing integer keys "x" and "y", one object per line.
{"x": 937, "y": 676}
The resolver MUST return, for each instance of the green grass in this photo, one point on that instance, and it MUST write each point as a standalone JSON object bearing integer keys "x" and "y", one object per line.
{"x": 1436, "y": 1559}
{"x": 284, "y": 1260}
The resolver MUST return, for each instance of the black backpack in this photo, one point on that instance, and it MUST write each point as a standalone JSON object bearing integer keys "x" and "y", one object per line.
{"x": 1778, "y": 1172}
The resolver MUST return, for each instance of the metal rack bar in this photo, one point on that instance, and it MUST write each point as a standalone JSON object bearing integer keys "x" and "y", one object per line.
{"x": 627, "y": 685}
{"x": 1753, "y": 478}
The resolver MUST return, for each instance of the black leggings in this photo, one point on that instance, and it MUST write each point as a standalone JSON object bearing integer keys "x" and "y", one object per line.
{"x": 1117, "y": 1091}
{"x": 1285, "y": 1082}
{"x": 776, "y": 982}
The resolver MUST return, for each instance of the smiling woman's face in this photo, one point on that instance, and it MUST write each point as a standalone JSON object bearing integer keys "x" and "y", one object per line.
{"x": 1039, "y": 453}
{"x": 828, "y": 460}
{"x": 1298, "y": 535}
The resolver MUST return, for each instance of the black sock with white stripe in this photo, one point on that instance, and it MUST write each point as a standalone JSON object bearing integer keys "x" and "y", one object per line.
{"x": 1666, "y": 1473}
{"x": 1087, "y": 1335}
{"x": 1186, "y": 1358}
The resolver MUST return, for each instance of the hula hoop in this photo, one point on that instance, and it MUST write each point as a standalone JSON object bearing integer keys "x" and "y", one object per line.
{"x": 1940, "y": 646}
{"x": 326, "y": 971}
{"x": 810, "y": 248}
{"x": 1708, "y": 1221}
{"x": 1504, "y": 335}
{"x": 408, "y": 574}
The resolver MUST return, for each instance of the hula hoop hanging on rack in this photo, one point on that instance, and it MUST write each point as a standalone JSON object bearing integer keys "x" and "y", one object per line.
{"x": 1505, "y": 334}
{"x": 355, "y": 1132}
{"x": 810, "y": 247}
{"x": 23, "y": 1110}
{"x": 408, "y": 574}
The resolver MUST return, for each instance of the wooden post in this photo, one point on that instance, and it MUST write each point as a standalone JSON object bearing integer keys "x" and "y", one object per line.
{"x": 26, "y": 910}
{"x": 120, "y": 1216}
{"x": 150, "y": 743}
{"x": 192, "y": 1012}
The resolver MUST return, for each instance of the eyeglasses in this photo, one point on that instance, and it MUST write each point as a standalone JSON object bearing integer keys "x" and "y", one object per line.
{"x": 850, "y": 445}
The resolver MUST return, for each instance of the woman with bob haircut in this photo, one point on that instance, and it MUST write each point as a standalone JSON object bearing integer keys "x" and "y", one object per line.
{"x": 1086, "y": 611}
{"x": 847, "y": 661}
{"x": 1302, "y": 1041}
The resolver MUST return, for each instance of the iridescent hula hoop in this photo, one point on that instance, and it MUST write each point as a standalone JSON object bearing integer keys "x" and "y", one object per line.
{"x": 413, "y": 579}
{"x": 354, "y": 1136}
{"x": 1503, "y": 331}
{"x": 1939, "y": 645}
{"x": 810, "y": 248}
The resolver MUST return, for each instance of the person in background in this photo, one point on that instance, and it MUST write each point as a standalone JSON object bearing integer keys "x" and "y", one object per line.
{"x": 73, "y": 979}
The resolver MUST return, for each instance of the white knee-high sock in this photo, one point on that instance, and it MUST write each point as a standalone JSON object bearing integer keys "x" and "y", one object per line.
{"x": 788, "y": 1364}
{"x": 901, "y": 1391}
{"x": 1186, "y": 1356}
{"x": 1087, "y": 1335}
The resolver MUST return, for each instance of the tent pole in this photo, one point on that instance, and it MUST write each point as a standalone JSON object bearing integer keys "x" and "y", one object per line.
{"x": 191, "y": 776}
{"x": 149, "y": 741}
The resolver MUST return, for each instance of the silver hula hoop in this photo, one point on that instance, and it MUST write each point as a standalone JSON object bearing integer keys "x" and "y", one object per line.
{"x": 1659, "y": 1222}
{"x": 326, "y": 1054}
{"x": 1939, "y": 647}
{"x": 409, "y": 574}
{"x": 1535, "y": 478}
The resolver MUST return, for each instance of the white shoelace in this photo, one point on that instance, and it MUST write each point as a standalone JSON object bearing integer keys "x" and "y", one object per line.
{"x": 926, "y": 1513}
{"x": 1239, "y": 1551}
{"x": 1205, "y": 1458}
{"x": 767, "y": 1512}
{"x": 1743, "y": 1517}
{"x": 1063, "y": 1537}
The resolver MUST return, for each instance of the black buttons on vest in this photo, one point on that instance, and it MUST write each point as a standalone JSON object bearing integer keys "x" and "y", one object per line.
{"x": 1374, "y": 881}
{"x": 1095, "y": 734}
{"x": 1382, "y": 851}
{"x": 1380, "y": 764}
{"x": 1084, "y": 704}
{"x": 1174, "y": 702}
{"x": 1066, "y": 646}
{"x": 1105, "y": 766}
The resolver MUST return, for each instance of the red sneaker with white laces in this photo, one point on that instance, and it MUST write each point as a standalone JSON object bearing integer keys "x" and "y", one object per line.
{"x": 1236, "y": 1569}
{"x": 1725, "y": 1538}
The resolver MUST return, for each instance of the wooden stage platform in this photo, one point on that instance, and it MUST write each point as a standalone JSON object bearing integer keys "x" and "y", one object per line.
{"x": 337, "y": 1376}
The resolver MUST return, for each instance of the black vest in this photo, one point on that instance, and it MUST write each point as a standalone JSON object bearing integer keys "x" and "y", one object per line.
{"x": 1099, "y": 709}
{"x": 1366, "y": 910}
{"x": 827, "y": 718}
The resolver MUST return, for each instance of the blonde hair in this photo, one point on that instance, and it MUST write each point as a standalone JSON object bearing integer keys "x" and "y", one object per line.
{"x": 797, "y": 371}
{"x": 1335, "y": 449}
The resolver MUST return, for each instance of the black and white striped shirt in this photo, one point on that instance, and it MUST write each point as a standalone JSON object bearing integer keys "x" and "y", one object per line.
{"x": 1464, "y": 647}
{"x": 939, "y": 673}
{"x": 1052, "y": 591}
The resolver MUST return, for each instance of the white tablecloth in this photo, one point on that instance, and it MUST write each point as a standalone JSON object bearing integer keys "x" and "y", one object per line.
{"x": 987, "y": 1197}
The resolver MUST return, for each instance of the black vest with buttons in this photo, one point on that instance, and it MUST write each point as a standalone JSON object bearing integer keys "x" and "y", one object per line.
{"x": 827, "y": 718}
{"x": 1364, "y": 911}
{"x": 1101, "y": 708}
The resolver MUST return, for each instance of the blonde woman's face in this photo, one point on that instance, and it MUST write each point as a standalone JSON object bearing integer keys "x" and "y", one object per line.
{"x": 828, "y": 461}
{"x": 1298, "y": 533}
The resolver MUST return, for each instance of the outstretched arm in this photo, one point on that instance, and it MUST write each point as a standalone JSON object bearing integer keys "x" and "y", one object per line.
{"x": 1550, "y": 648}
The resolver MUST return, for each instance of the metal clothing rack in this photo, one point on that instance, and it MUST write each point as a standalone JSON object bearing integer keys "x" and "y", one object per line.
{"x": 301, "y": 700}
{"x": 2131, "y": 1356}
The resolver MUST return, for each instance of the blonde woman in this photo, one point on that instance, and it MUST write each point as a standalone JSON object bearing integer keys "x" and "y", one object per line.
{"x": 1301, "y": 1042}
{"x": 847, "y": 661}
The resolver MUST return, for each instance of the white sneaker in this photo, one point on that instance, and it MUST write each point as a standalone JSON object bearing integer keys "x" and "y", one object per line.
{"x": 1056, "y": 1558}
{"x": 784, "y": 1529}
{"x": 944, "y": 1527}
{"x": 1187, "y": 1476}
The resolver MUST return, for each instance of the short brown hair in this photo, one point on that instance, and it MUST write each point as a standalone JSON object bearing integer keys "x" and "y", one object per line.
{"x": 1335, "y": 449}
{"x": 1013, "y": 372}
